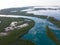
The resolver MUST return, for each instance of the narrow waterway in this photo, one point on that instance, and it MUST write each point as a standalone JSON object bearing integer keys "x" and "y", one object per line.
{"x": 38, "y": 33}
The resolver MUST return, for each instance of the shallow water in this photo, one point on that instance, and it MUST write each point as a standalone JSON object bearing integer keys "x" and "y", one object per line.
{"x": 38, "y": 33}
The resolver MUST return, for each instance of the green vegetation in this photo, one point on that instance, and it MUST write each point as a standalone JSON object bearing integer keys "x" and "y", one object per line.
{"x": 40, "y": 9}
{"x": 31, "y": 14}
{"x": 16, "y": 34}
{"x": 5, "y": 21}
{"x": 13, "y": 37}
{"x": 54, "y": 21}
{"x": 8, "y": 10}
{"x": 19, "y": 12}
{"x": 52, "y": 36}
{"x": 22, "y": 42}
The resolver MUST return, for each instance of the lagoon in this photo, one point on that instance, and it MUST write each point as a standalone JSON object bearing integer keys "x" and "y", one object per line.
{"x": 37, "y": 34}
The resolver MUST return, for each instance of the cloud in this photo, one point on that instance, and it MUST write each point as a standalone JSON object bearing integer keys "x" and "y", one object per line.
{"x": 20, "y": 3}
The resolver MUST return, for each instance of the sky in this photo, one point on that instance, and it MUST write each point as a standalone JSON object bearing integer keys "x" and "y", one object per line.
{"x": 23, "y": 3}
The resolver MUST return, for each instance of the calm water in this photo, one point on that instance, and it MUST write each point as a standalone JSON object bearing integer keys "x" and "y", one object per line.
{"x": 38, "y": 33}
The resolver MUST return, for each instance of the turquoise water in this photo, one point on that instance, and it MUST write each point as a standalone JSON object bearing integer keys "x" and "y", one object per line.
{"x": 38, "y": 33}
